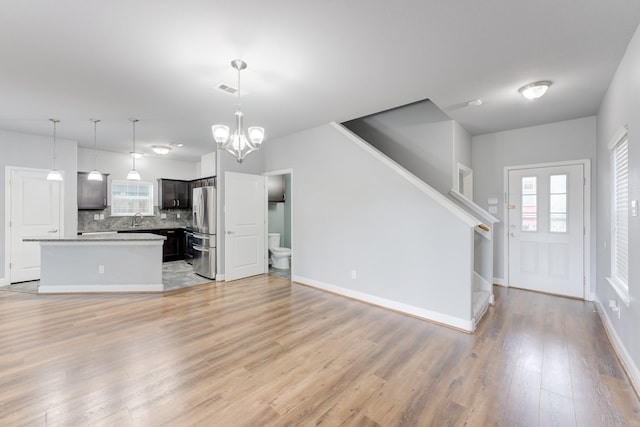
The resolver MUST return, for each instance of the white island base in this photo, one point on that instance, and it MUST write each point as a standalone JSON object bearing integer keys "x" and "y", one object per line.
{"x": 116, "y": 263}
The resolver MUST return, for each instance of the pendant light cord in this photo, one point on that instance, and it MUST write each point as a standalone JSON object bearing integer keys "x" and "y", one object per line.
{"x": 95, "y": 143}
{"x": 55, "y": 122}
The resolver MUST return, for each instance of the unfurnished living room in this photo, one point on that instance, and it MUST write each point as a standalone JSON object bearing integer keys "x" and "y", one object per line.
{"x": 320, "y": 213}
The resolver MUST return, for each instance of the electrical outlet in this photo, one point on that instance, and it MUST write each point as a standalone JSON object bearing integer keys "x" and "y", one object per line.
{"x": 101, "y": 269}
{"x": 178, "y": 215}
{"x": 163, "y": 216}
{"x": 96, "y": 217}
{"x": 354, "y": 275}
{"x": 101, "y": 217}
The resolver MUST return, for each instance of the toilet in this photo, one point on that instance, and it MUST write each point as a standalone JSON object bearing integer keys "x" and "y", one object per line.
{"x": 279, "y": 256}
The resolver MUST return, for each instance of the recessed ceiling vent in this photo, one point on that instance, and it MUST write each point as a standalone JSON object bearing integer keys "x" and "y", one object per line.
{"x": 227, "y": 89}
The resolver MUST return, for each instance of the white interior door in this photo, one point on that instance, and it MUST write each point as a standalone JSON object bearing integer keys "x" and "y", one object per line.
{"x": 546, "y": 229}
{"x": 244, "y": 240}
{"x": 35, "y": 211}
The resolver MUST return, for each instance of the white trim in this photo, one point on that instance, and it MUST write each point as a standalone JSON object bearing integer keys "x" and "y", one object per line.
{"x": 219, "y": 277}
{"x": 620, "y": 289}
{"x": 618, "y": 346}
{"x": 617, "y": 136}
{"x": 499, "y": 281}
{"x": 408, "y": 176}
{"x": 586, "y": 202}
{"x": 99, "y": 288}
{"x": 473, "y": 206}
{"x": 434, "y": 316}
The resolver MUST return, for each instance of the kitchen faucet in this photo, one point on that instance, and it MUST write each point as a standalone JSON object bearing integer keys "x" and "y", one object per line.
{"x": 134, "y": 221}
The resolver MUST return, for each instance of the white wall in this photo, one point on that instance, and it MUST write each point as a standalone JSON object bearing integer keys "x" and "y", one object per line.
{"x": 117, "y": 165}
{"x": 33, "y": 151}
{"x": 419, "y": 137}
{"x": 621, "y": 105}
{"x": 353, "y": 212}
{"x": 491, "y": 153}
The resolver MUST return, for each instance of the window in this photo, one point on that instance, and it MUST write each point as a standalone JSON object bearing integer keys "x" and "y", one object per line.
{"x": 131, "y": 197}
{"x": 620, "y": 216}
{"x": 529, "y": 203}
{"x": 558, "y": 203}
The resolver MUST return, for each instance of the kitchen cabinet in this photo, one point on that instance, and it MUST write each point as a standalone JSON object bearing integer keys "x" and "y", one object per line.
{"x": 174, "y": 193}
{"x": 276, "y": 188}
{"x": 173, "y": 248}
{"x": 204, "y": 182}
{"x": 92, "y": 194}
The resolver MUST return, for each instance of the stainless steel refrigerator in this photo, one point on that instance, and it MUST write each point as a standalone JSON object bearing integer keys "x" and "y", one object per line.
{"x": 203, "y": 234}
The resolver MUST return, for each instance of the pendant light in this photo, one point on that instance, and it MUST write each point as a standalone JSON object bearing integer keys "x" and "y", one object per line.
{"x": 133, "y": 174}
{"x": 54, "y": 174}
{"x": 238, "y": 144}
{"x": 95, "y": 174}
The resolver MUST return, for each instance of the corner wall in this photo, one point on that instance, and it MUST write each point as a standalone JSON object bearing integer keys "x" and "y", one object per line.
{"x": 491, "y": 153}
{"x": 352, "y": 213}
{"x": 621, "y": 105}
{"x": 32, "y": 151}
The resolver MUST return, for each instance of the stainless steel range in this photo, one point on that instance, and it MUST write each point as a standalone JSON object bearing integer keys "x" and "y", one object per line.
{"x": 201, "y": 238}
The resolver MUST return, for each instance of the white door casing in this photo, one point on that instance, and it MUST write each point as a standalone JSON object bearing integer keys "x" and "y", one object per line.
{"x": 35, "y": 210}
{"x": 546, "y": 229}
{"x": 244, "y": 204}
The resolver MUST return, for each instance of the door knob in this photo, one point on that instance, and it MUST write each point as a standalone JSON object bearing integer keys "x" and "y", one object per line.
{"x": 231, "y": 232}
{"x": 514, "y": 235}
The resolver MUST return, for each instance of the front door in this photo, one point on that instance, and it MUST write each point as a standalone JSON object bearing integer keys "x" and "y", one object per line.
{"x": 546, "y": 229}
{"x": 244, "y": 240}
{"x": 35, "y": 212}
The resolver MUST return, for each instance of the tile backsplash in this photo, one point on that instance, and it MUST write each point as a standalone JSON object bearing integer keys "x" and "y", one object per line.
{"x": 87, "y": 223}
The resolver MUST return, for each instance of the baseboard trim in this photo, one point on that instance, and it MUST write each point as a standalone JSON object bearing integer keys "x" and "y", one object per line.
{"x": 219, "y": 277}
{"x": 4, "y": 281}
{"x": 422, "y": 313}
{"x": 618, "y": 346}
{"x": 499, "y": 281}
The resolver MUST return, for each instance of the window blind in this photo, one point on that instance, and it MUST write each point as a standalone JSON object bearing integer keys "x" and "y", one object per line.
{"x": 620, "y": 232}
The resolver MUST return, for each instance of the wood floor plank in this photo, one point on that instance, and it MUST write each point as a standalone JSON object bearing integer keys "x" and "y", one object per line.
{"x": 265, "y": 351}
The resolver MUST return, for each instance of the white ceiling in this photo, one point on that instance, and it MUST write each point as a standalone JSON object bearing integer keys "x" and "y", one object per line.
{"x": 309, "y": 63}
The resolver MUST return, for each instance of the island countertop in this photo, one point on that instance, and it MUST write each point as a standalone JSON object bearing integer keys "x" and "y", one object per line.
{"x": 107, "y": 237}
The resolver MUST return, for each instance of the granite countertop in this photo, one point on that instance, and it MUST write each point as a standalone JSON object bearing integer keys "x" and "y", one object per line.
{"x": 135, "y": 229}
{"x": 107, "y": 237}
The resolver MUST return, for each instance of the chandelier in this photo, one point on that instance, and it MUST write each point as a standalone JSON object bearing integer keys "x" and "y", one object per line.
{"x": 238, "y": 144}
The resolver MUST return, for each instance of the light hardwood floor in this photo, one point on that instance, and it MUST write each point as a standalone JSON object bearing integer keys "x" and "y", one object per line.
{"x": 263, "y": 351}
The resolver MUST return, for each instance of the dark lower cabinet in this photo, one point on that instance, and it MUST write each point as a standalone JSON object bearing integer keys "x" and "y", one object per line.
{"x": 173, "y": 249}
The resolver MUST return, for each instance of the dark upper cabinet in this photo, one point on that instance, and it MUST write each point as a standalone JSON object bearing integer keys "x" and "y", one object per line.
{"x": 276, "y": 188}
{"x": 174, "y": 193}
{"x": 92, "y": 194}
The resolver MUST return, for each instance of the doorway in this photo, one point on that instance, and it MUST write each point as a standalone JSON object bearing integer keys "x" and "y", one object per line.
{"x": 279, "y": 219}
{"x": 546, "y": 221}
{"x": 35, "y": 208}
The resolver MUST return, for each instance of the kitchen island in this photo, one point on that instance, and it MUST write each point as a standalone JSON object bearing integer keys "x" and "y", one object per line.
{"x": 130, "y": 262}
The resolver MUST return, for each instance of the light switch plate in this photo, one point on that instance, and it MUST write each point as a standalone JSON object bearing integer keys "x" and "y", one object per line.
{"x": 634, "y": 208}
{"x": 492, "y": 201}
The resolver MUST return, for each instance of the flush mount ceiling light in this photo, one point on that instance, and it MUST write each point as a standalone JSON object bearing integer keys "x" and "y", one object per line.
{"x": 161, "y": 149}
{"x": 136, "y": 155}
{"x": 474, "y": 103}
{"x": 95, "y": 174}
{"x": 535, "y": 90}
{"x": 54, "y": 174}
{"x": 238, "y": 144}
{"x": 133, "y": 174}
